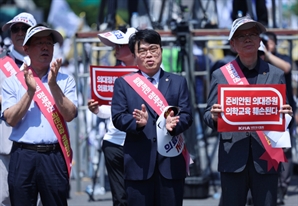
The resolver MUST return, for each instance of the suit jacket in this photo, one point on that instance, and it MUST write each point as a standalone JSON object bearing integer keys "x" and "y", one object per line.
{"x": 234, "y": 146}
{"x": 140, "y": 147}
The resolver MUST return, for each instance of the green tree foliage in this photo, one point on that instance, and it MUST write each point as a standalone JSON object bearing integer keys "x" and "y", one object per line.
{"x": 89, "y": 7}
{"x": 295, "y": 8}
{"x": 45, "y": 6}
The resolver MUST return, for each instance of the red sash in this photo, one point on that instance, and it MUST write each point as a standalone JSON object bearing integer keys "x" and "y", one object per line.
{"x": 154, "y": 99}
{"x": 8, "y": 66}
{"x": 46, "y": 103}
{"x": 273, "y": 156}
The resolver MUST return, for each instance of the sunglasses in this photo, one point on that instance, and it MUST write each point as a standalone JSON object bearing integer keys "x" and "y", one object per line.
{"x": 16, "y": 29}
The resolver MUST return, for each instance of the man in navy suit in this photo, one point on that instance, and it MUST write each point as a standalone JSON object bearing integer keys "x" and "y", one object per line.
{"x": 150, "y": 178}
{"x": 239, "y": 161}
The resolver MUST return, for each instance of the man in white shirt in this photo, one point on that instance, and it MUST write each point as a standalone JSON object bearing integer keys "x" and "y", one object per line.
{"x": 113, "y": 140}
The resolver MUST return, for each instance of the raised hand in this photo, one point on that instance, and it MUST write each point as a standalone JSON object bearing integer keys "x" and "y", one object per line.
{"x": 29, "y": 79}
{"x": 286, "y": 109}
{"x": 93, "y": 106}
{"x": 171, "y": 121}
{"x": 141, "y": 116}
{"x": 215, "y": 111}
{"x": 54, "y": 68}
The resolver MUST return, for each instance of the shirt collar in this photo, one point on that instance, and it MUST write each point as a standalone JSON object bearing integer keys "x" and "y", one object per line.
{"x": 16, "y": 54}
{"x": 155, "y": 76}
{"x": 243, "y": 68}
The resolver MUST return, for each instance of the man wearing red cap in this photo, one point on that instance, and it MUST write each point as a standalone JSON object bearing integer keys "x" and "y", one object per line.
{"x": 17, "y": 27}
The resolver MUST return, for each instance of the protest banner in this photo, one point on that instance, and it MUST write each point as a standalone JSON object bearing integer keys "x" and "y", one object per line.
{"x": 103, "y": 79}
{"x": 251, "y": 107}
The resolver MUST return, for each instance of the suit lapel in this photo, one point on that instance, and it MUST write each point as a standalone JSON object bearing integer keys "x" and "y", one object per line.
{"x": 263, "y": 73}
{"x": 164, "y": 82}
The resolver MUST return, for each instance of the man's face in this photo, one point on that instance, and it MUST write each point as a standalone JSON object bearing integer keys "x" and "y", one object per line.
{"x": 246, "y": 42}
{"x": 40, "y": 50}
{"x": 122, "y": 52}
{"x": 148, "y": 57}
{"x": 271, "y": 47}
{"x": 17, "y": 33}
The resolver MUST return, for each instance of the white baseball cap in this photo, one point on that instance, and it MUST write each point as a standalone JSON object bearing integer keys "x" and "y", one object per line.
{"x": 116, "y": 37}
{"x": 244, "y": 23}
{"x": 40, "y": 31}
{"x": 24, "y": 17}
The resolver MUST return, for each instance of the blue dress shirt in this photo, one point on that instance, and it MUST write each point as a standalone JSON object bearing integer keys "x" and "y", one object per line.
{"x": 34, "y": 128}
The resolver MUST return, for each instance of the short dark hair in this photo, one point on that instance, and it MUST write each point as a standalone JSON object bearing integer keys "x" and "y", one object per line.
{"x": 271, "y": 36}
{"x": 147, "y": 35}
{"x": 123, "y": 29}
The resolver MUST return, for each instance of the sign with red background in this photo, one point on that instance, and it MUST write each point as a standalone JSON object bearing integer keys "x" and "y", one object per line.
{"x": 103, "y": 79}
{"x": 251, "y": 107}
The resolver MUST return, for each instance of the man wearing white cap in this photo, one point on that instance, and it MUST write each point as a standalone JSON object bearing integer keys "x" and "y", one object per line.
{"x": 113, "y": 140}
{"x": 239, "y": 160}
{"x": 37, "y": 103}
{"x": 18, "y": 27}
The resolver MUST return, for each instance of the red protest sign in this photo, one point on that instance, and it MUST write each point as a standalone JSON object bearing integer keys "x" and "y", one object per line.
{"x": 103, "y": 79}
{"x": 251, "y": 107}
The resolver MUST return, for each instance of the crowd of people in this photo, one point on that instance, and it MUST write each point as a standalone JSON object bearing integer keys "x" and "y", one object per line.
{"x": 37, "y": 101}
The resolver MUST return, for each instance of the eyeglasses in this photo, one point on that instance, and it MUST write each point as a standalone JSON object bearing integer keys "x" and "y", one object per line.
{"x": 41, "y": 43}
{"x": 153, "y": 51}
{"x": 16, "y": 29}
{"x": 242, "y": 37}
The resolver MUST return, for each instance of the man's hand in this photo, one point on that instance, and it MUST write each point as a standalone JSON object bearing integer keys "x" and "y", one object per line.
{"x": 171, "y": 121}
{"x": 215, "y": 111}
{"x": 286, "y": 109}
{"x": 93, "y": 106}
{"x": 29, "y": 79}
{"x": 141, "y": 116}
{"x": 55, "y": 66}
